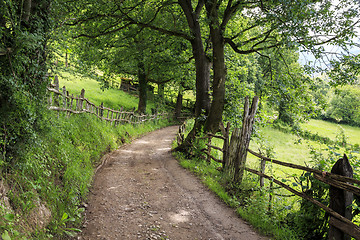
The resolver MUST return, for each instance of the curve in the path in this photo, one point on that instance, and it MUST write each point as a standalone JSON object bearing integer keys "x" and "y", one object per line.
{"x": 141, "y": 192}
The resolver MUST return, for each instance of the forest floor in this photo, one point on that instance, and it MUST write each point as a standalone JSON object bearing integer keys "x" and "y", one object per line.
{"x": 141, "y": 192}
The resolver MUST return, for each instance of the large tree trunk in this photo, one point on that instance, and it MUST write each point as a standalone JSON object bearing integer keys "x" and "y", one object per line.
{"x": 217, "y": 106}
{"x": 202, "y": 66}
{"x": 161, "y": 90}
{"x": 178, "y": 106}
{"x": 142, "y": 88}
{"x": 202, "y": 63}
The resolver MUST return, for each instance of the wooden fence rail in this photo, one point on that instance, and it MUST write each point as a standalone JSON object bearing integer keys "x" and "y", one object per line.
{"x": 60, "y": 100}
{"x": 340, "y": 178}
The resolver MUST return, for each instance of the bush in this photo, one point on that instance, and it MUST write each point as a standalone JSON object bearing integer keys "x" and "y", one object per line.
{"x": 344, "y": 107}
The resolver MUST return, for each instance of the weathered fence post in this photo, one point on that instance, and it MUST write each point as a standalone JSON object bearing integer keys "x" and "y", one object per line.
{"x": 262, "y": 170}
{"x": 64, "y": 97}
{"x": 233, "y": 152}
{"x": 71, "y": 101}
{"x": 248, "y": 120}
{"x": 56, "y": 96}
{"x": 340, "y": 201}
{"x": 208, "y": 159}
{"x": 225, "y": 132}
{"x": 82, "y": 95}
{"x": 101, "y": 110}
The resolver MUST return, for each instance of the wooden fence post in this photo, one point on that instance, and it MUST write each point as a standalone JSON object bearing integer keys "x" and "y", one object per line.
{"x": 241, "y": 151}
{"x": 233, "y": 152}
{"x": 208, "y": 159}
{"x": 71, "y": 101}
{"x": 56, "y": 96}
{"x": 340, "y": 201}
{"x": 248, "y": 120}
{"x": 101, "y": 111}
{"x": 226, "y": 133}
{"x": 64, "y": 97}
{"x": 262, "y": 170}
{"x": 82, "y": 95}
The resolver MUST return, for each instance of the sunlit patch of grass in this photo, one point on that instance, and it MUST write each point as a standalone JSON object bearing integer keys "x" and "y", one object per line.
{"x": 329, "y": 129}
{"x": 112, "y": 98}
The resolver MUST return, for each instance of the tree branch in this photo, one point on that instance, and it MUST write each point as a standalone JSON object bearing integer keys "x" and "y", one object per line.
{"x": 270, "y": 65}
{"x": 104, "y": 32}
{"x": 251, "y": 50}
{"x": 199, "y": 8}
{"x": 229, "y": 12}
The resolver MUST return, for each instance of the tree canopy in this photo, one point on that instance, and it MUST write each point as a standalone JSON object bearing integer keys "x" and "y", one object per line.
{"x": 265, "y": 28}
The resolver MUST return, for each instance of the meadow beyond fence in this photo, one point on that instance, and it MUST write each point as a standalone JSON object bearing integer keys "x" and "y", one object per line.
{"x": 340, "y": 178}
{"x": 61, "y": 100}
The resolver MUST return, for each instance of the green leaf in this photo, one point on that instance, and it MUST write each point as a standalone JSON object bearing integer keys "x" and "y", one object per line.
{"x": 71, "y": 234}
{"x": 64, "y": 216}
{"x": 9, "y": 217}
{"x": 6, "y": 236}
{"x": 294, "y": 184}
{"x": 74, "y": 229}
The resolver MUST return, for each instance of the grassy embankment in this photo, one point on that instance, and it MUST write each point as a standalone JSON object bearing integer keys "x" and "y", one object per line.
{"x": 285, "y": 147}
{"x": 112, "y": 98}
{"x": 48, "y": 182}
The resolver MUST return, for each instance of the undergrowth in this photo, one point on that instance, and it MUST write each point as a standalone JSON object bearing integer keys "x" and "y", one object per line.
{"x": 250, "y": 205}
{"x": 55, "y": 173}
{"x": 270, "y": 209}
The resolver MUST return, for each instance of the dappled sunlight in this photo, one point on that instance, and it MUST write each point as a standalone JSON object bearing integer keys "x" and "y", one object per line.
{"x": 126, "y": 151}
{"x": 182, "y": 216}
{"x": 163, "y": 149}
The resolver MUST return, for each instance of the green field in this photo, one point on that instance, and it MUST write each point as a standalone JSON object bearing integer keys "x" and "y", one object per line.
{"x": 290, "y": 148}
{"x": 328, "y": 129}
{"x": 112, "y": 98}
{"x": 284, "y": 147}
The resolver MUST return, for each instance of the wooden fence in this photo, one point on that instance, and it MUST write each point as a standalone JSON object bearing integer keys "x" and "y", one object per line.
{"x": 60, "y": 100}
{"x": 340, "y": 178}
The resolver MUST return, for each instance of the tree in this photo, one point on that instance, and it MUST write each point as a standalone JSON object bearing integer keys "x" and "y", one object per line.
{"x": 287, "y": 87}
{"x": 24, "y": 31}
{"x": 272, "y": 24}
{"x": 345, "y": 105}
{"x": 133, "y": 50}
{"x": 246, "y": 26}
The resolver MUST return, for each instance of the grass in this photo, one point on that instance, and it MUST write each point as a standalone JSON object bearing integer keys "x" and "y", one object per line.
{"x": 112, "y": 98}
{"x": 329, "y": 129}
{"x": 216, "y": 182}
{"x": 57, "y": 168}
{"x": 284, "y": 147}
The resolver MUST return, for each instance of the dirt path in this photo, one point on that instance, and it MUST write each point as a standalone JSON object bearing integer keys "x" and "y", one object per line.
{"x": 142, "y": 193}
